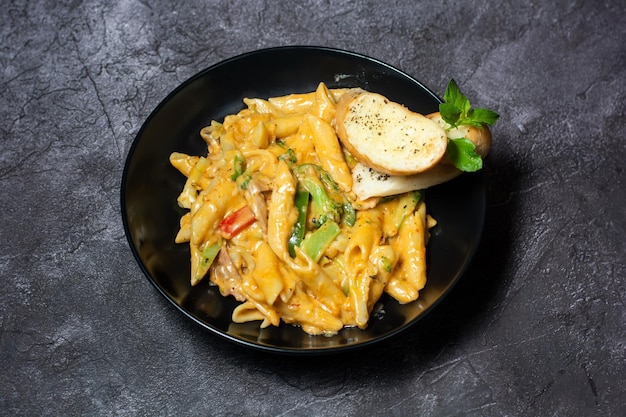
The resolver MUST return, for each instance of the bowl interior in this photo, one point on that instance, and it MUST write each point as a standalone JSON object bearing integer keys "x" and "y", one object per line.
{"x": 150, "y": 187}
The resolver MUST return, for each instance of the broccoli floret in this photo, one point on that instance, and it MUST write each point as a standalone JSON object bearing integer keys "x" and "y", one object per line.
{"x": 329, "y": 204}
{"x": 349, "y": 213}
{"x": 325, "y": 207}
{"x": 289, "y": 157}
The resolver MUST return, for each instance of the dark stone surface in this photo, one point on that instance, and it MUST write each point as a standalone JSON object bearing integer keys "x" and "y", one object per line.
{"x": 537, "y": 326}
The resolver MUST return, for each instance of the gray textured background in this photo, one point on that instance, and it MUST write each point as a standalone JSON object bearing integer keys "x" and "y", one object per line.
{"x": 536, "y": 327}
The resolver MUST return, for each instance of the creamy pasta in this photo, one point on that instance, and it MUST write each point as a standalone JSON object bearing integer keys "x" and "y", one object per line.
{"x": 272, "y": 219}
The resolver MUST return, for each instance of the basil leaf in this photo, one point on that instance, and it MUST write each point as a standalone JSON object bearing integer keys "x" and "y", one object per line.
{"x": 454, "y": 96}
{"x": 484, "y": 116}
{"x": 456, "y": 110}
{"x": 449, "y": 113}
{"x": 462, "y": 152}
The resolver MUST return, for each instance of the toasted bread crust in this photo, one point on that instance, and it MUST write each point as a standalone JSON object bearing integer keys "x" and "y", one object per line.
{"x": 387, "y": 136}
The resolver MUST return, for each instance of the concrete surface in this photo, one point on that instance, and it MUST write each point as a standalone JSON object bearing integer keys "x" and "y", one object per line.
{"x": 537, "y": 326}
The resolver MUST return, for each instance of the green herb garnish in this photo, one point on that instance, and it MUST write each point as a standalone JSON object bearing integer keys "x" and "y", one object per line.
{"x": 456, "y": 111}
{"x": 462, "y": 153}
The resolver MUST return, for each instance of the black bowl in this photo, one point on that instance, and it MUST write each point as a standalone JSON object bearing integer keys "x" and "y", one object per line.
{"x": 150, "y": 187}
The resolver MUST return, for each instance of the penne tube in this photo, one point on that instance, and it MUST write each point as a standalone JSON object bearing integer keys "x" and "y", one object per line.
{"x": 184, "y": 233}
{"x": 211, "y": 208}
{"x": 301, "y": 309}
{"x": 183, "y": 162}
{"x": 329, "y": 151}
{"x": 324, "y": 105}
{"x": 411, "y": 274}
{"x": 267, "y": 274}
{"x": 282, "y": 212}
{"x": 293, "y": 103}
{"x": 401, "y": 290}
{"x": 262, "y": 106}
{"x": 286, "y": 126}
{"x": 245, "y": 312}
{"x": 366, "y": 234}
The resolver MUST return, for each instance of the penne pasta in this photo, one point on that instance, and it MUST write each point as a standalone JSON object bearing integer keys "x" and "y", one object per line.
{"x": 329, "y": 151}
{"x": 267, "y": 274}
{"x": 411, "y": 270}
{"x": 365, "y": 237}
{"x": 293, "y": 103}
{"x": 273, "y": 222}
{"x": 324, "y": 105}
{"x": 282, "y": 213}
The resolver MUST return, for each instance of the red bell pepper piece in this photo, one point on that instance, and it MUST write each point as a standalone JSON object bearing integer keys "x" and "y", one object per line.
{"x": 236, "y": 221}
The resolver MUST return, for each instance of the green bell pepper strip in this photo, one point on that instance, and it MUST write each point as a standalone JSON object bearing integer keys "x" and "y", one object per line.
{"x": 239, "y": 166}
{"x": 349, "y": 213}
{"x": 301, "y": 202}
{"x": 316, "y": 243}
{"x": 206, "y": 259}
